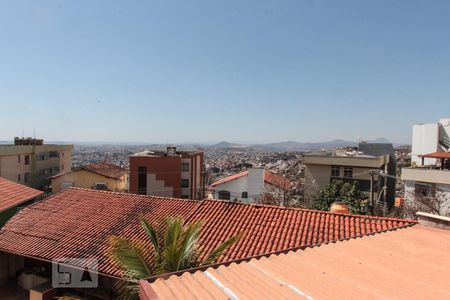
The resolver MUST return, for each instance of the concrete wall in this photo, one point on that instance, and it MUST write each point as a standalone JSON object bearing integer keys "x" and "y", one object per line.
{"x": 86, "y": 179}
{"x": 318, "y": 176}
{"x": 425, "y": 140}
{"x": 10, "y": 168}
{"x": 442, "y": 194}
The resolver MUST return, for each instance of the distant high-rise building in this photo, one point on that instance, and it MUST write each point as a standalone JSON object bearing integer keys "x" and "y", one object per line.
{"x": 172, "y": 173}
{"x": 31, "y": 162}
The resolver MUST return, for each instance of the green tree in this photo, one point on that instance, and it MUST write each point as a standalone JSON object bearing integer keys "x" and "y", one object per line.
{"x": 175, "y": 247}
{"x": 339, "y": 191}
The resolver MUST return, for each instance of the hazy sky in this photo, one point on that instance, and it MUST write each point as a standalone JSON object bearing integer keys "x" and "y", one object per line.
{"x": 205, "y": 71}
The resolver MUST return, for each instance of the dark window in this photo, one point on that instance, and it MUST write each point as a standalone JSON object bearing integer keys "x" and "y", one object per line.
{"x": 62, "y": 167}
{"x": 142, "y": 180}
{"x": 52, "y": 154}
{"x": 184, "y": 183}
{"x": 424, "y": 190}
{"x": 18, "y": 177}
{"x": 244, "y": 195}
{"x": 184, "y": 196}
{"x": 224, "y": 195}
{"x": 348, "y": 172}
{"x": 18, "y": 158}
{"x": 101, "y": 186}
{"x": 25, "y": 177}
{"x": 27, "y": 159}
{"x": 185, "y": 167}
{"x": 335, "y": 171}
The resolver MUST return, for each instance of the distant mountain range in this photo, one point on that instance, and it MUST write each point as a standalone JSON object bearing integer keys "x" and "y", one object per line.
{"x": 292, "y": 145}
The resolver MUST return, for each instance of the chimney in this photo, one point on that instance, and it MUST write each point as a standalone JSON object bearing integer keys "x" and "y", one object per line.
{"x": 339, "y": 208}
{"x": 255, "y": 181}
{"x": 171, "y": 150}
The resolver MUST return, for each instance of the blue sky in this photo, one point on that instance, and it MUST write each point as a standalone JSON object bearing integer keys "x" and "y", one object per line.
{"x": 206, "y": 71}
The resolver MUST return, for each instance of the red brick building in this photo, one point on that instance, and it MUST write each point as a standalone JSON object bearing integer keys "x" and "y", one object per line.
{"x": 177, "y": 174}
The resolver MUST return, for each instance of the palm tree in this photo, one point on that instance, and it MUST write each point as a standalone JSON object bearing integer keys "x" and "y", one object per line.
{"x": 174, "y": 248}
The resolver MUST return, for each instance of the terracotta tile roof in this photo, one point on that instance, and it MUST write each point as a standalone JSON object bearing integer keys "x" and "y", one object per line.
{"x": 229, "y": 178}
{"x": 13, "y": 194}
{"x": 410, "y": 263}
{"x": 276, "y": 180}
{"x": 102, "y": 168}
{"x": 78, "y": 222}
{"x": 106, "y": 169}
{"x": 269, "y": 177}
{"x": 272, "y": 228}
{"x": 436, "y": 155}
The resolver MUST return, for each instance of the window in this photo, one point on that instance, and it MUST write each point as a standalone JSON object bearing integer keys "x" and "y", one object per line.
{"x": 184, "y": 196}
{"x": 142, "y": 180}
{"x": 424, "y": 190}
{"x": 244, "y": 195}
{"x": 348, "y": 172}
{"x": 26, "y": 177}
{"x": 184, "y": 183}
{"x": 18, "y": 158}
{"x": 62, "y": 167}
{"x": 185, "y": 167}
{"x": 52, "y": 154}
{"x": 50, "y": 170}
{"x": 42, "y": 156}
{"x": 224, "y": 195}
{"x": 100, "y": 186}
{"x": 335, "y": 171}
{"x": 27, "y": 159}
{"x": 18, "y": 177}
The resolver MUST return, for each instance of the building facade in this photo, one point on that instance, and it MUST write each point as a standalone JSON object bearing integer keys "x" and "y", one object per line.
{"x": 178, "y": 174}
{"x": 429, "y": 138}
{"x": 325, "y": 167}
{"x": 250, "y": 186}
{"x": 99, "y": 176}
{"x": 31, "y": 162}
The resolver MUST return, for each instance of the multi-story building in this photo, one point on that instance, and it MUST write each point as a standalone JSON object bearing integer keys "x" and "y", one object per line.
{"x": 427, "y": 181}
{"x": 31, "y": 162}
{"x": 429, "y": 138}
{"x": 178, "y": 174}
{"x": 350, "y": 165}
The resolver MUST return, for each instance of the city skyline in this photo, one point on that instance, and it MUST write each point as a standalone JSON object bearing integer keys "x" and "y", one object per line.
{"x": 253, "y": 72}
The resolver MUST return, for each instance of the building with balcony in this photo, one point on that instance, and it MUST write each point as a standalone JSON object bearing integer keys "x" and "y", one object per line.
{"x": 350, "y": 165}
{"x": 427, "y": 187}
{"x": 171, "y": 173}
{"x": 31, "y": 162}
{"x": 429, "y": 138}
{"x": 99, "y": 176}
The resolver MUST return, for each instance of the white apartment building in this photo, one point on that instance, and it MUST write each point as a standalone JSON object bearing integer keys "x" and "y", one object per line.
{"x": 429, "y": 138}
{"x": 427, "y": 182}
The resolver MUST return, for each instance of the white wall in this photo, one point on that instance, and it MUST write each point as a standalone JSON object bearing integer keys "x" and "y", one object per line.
{"x": 235, "y": 187}
{"x": 425, "y": 140}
